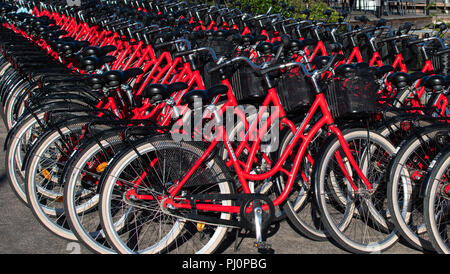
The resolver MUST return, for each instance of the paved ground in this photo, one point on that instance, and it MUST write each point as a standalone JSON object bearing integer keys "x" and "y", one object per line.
{"x": 21, "y": 233}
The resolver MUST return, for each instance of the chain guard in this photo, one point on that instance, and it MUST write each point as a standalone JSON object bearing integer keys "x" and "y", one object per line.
{"x": 241, "y": 200}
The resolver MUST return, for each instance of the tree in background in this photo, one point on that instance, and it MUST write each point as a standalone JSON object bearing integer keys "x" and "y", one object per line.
{"x": 316, "y": 8}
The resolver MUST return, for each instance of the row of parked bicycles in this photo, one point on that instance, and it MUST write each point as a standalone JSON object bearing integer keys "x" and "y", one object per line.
{"x": 168, "y": 127}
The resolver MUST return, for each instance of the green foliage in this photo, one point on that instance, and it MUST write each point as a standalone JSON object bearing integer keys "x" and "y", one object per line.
{"x": 430, "y": 6}
{"x": 316, "y": 7}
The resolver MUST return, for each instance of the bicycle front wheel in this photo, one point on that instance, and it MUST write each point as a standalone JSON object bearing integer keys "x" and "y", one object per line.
{"x": 437, "y": 203}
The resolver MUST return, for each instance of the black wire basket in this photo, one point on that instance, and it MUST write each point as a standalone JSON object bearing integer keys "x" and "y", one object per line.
{"x": 295, "y": 91}
{"x": 248, "y": 87}
{"x": 352, "y": 96}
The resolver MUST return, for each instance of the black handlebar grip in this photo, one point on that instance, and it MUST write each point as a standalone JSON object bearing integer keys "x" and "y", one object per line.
{"x": 442, "y": 51}
{"x": 414, "y": 42}
{"x": 187, "y": 52}
{"x": 388, "y": 39}
{"x": 216, "y": 68}
{"x": 162, "y": 45}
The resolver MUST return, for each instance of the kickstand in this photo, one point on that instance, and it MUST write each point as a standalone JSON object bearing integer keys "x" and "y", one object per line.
{"x": 236, "y": 244}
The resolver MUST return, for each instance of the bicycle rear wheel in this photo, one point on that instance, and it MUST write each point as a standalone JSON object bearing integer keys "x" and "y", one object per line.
{"x": 44, "y": 192}
{"x": 135, "y": 225}
{"x": 357, "y": 220}
{"x": 82, "y": 175}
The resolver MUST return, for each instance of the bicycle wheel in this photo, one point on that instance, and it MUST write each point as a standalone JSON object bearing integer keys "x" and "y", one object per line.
{"x": 10, "y": 117}
{"x": 406, "y": 184}
{"x": 13, "y": 93}
{"x": 48, "y": 158}
{"x": 134, "y": 225}
{"x": 81, "y": 176}
{"x": 23, "y": 134}
{"x": 357, "y": 220}
{"x": 20, "y": 138}
{"x": 437, "y": 203}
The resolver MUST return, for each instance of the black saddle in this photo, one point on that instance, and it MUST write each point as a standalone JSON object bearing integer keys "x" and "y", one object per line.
{"x": 91, "y": 63}
{"x": 114, "y": 78}
{"x": 97, "y": 51}
{"x": 158, "y": 92}
{"x": 203, "y": 95}
{"x": 320, "y": 61}
{"x": 264, "y": 47}
{"x": 345, "y": 70}
{"x": 433, "y": 82}
{"x": 399, "y": 79}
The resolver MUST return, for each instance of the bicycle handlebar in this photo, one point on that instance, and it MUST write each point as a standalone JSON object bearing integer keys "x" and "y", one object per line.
{"x": 335, "y": 58}
{"x": 260, "y": 70}
{"x": 236, "y": 60}
{"x": 181, "y": 40}
{"x": 353, "y": 32}
{"x": 418, "y": 41}
{"x": 403, "y": 36}
{"x": 188, "y": 52}
{"x": 442, "y": 51}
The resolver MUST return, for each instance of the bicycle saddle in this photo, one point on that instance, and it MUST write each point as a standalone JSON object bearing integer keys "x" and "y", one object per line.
{"x": 70, "y": 48}
{"x": 57, "y": 44}
{"x": 296, "y": 45}
{"x": 114, "y": 78}
{"x": 91, "y": 63}
{"x": 158, "y": 92}
{"x": 15, "y": 16}
{"x": 383, "y": 70}
{"x": 217, "y": 90}
{"x": 221, "y": 34}
{"x": 264, "y": 47}
{"x": 199, "y": 34}
{"x": 320, "y": 61}
{"x": 399, "y": 79}
{"x": 434, "y": 82}
{"x": 7, "y": 8}
{"x": 50, "y": 35}
{"x": 203, "y": 95}
{"x": 43, "y": 29}
{"x": 447, "y": 79}
{"x": 364, "y": 70}
{"x": 345, "y": 70}
{"x": 194, "y": 95}
{"x": 381, "y": 22}
{"x": 95, "y": 81}
{"x": 97, "y": 51}
{"x": 248, "y": 39}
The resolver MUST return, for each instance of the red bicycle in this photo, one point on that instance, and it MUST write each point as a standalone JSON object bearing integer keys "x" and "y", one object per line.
{"x": 188, "y": 188}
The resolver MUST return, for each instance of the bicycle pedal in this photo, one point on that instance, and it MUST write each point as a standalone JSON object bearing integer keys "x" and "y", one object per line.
{"x": 264, "y": 247}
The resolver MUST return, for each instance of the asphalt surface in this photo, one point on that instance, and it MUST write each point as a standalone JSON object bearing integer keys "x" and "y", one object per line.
{"x": 21, "y": 233}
